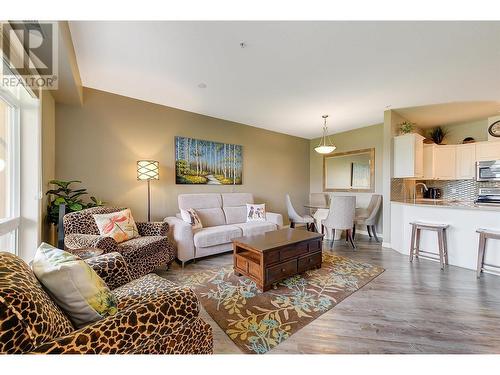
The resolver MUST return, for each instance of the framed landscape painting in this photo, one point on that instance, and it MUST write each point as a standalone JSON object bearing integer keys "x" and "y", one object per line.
{"x": 207, "y": 163}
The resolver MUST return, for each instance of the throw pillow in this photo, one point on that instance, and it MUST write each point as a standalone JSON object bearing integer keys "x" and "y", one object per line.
{"x": 256, "y": 212}
{"x": 74, "y": 285}
{"x": 190, "y": 216}
{"x": 119, "y": 225}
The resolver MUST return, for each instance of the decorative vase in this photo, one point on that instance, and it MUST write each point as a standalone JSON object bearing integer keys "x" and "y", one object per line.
{"x": 53, "y": 234}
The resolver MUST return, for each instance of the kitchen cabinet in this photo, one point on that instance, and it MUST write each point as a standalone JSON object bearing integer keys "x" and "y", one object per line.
{"x": 444, "y": 162}
{"x": 488, "y": 151}
{"x": 449, "y": 162}
{"x": 408, "y": 156}
{"x": 429, "y": 162}
{"x": 465, "y": 168}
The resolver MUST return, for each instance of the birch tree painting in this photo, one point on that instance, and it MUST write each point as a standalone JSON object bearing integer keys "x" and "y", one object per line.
{"x": 205, "y": 162}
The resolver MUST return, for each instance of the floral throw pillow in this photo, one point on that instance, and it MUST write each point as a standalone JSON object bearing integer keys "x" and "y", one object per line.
{"x": 74, "y": 285}
{"x": 256, "y": 212}
{"x": 190, "y": 216}
{"x": 119, "y": 225}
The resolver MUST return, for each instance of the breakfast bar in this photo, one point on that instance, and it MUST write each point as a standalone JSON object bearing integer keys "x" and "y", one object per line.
{"x": 463, "y": 218}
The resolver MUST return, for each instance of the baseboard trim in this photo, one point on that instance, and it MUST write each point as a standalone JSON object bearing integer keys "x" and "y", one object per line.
{"x": 387, "y": 244}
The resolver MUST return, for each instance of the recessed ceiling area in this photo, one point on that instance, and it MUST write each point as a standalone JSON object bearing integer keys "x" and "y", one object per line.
{"x": 428, "y": 116}
{"x": 291, "y": 73}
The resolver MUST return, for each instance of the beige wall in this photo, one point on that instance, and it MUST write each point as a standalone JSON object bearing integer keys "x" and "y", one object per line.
{"x": 100, "y": 142}
{"x": 476, "y": 129}
{"x": 48, "y": 152}
{"x": 367, "y": 137}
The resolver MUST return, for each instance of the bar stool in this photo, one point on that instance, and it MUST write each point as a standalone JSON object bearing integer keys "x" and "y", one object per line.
{"x": 484, "y": 234}
{"x": 440, "y": 229}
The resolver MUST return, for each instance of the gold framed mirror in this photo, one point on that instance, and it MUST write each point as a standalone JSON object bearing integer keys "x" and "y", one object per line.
{"x": 352, "y": 171}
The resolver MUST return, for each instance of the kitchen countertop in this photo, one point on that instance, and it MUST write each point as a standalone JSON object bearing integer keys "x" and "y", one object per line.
{"x": 468, "y": 205}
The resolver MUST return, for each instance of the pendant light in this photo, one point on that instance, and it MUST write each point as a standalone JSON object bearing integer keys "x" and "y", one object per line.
{"x": 325, "y": 145}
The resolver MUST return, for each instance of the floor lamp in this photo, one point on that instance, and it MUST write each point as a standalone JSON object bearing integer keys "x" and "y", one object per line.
{"x": 148, "y": 170}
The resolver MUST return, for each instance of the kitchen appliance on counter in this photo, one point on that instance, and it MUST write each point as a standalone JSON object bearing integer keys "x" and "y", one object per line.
{"x": 488, "y": 196}
{"x": 432, "y": 193}
{"x": 488, "y": 170}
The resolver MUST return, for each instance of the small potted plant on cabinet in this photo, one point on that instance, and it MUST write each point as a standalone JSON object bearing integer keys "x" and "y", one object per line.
{"x": 438, "y": 134}
{"x": 406, "y": 127}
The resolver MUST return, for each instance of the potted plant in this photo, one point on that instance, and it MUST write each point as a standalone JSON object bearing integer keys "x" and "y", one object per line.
{"x": 72, "y": 198}
{"x": 438, "y": 134}
{"x": 406, "y": 127}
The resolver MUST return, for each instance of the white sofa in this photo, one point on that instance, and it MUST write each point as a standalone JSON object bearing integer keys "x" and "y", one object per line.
{"x": 223, "y": 217}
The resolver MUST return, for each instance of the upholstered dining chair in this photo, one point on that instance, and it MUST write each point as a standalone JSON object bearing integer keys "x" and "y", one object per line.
{"x": 295, "y": 218}
{"x": 368, "y": 216}
{"x": 341, "y": 217}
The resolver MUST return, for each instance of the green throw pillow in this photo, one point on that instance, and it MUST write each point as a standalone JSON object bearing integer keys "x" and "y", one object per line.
{"x": 74, "y": 285}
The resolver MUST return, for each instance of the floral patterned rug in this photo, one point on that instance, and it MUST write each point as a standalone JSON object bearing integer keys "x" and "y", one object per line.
{"x": 256, "y": 321}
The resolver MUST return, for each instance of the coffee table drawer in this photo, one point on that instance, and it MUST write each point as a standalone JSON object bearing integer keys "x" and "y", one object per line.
{"x": 281, "y": 271}
{"x": 314, "y": 246}
{"x": 293, "y": 251}
{"x": 310, "y": 261}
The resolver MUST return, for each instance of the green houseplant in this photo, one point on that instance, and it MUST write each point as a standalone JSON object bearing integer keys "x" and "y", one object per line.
{"x": 72, "y": 198}
{"x": 406, "y": 127}
{"x": 438, "y": 134}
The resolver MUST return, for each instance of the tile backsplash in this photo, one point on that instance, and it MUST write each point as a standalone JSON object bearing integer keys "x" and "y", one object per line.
{"x": 465, "y": 190}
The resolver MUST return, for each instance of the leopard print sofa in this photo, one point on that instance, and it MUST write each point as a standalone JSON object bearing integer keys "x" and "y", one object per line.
{"x": 154, "y": 315}
{"x": 143, "y": 254}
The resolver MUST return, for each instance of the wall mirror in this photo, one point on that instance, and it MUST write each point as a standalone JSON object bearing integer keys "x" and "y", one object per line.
{"x": 349, "y": 171}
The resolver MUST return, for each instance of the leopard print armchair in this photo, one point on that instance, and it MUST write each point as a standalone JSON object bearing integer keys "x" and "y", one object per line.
{"x": 154, "y": 315}
{"x": 143, "y": 254}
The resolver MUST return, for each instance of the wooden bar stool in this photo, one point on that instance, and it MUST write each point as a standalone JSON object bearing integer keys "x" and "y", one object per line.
{"x": 484, "y": 234}
{"x": 415, "y": 251}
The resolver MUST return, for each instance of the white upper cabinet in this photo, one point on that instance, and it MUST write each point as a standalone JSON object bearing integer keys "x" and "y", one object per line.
{"x": 449, "y": 162}
{"x": 465, "y": 162}
{"x": 444, "y": 162}
{"x": 408, "y": 156}
{"x": 488, "y": 151}
{"x": 429, "y": 161}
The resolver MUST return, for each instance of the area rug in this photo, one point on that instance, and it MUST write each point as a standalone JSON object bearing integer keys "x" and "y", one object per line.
{"x": 256, "y": 321}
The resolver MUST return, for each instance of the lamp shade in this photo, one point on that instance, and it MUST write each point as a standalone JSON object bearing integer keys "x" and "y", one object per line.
{"x": 148, "y": 170}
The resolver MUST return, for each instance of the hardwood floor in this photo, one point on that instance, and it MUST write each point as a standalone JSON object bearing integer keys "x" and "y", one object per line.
{"x": 410, "y": 308}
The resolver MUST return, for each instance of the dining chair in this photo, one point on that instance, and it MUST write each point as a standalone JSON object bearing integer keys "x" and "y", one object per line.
{"x": 295, "y": 218}
{"x": 341, "y": 217}
{"x": 368, "y": 216}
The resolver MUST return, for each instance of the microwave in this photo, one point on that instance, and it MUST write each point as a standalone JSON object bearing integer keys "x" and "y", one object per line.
{"x": 488, "y": 170}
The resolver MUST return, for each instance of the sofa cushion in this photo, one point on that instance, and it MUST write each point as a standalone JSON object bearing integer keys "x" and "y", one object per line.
{"x": 216, "y": 235}
{"x": 118, "y": 225}
{"x": 197, "y": 201}
{"x": 141, "y": 290}
{"x": 235, "y": 214}
{"x": 253, "y": 228}
{"x": 74, "y": 285}
{"x": 236, "y": 199}
{"x": 211, "y": 217}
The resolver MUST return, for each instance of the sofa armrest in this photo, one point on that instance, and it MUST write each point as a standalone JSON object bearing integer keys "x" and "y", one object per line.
{"x": 181, "y": 234}
{"x": 112, "y": 268}
{"x": 136, "y": 329}
{"x": 157, "y": 228}
{"x": 75, "y": 241}
{"x": 275, "y": 219}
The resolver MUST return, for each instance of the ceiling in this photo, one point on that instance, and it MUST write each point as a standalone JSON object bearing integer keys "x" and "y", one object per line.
{"x": 291, "y": 73}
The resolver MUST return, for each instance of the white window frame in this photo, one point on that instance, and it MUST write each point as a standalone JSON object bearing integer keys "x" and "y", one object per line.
{"x": 13, "y": 221}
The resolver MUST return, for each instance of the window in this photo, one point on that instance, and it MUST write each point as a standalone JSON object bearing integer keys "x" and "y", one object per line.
{"x": 9, "y": 173}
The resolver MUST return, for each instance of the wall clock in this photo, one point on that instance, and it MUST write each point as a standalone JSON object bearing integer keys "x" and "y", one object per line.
{"x": 494, "y": 129}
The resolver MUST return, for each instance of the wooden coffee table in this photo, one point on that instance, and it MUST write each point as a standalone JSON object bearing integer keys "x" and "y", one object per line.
{"x": 274, "y": 256}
